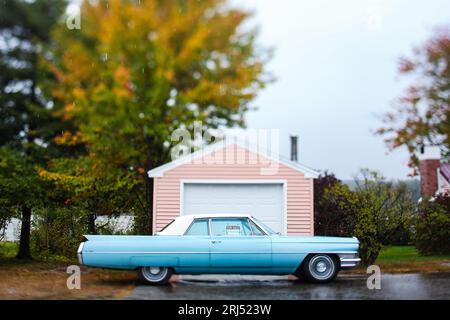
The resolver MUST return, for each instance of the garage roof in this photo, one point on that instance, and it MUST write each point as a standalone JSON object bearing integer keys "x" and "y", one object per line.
{"x": 159, "y": 171}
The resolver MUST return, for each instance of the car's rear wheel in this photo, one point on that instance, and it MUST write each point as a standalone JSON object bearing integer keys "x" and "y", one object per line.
{"x": 320, "y": 268}
{"x": 154, "y": 275}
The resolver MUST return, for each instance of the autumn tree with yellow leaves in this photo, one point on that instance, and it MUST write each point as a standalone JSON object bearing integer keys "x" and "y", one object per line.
{"x": 135, "y": 72}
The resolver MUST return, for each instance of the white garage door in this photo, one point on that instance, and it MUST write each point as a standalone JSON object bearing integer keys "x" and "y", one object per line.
{"x": 263, "y": 201}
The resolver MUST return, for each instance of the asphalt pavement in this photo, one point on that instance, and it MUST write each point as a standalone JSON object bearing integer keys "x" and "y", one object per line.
{"x": 346, "y": 286}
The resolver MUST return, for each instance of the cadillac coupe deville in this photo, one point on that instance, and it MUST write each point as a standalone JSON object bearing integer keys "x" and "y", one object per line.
{"x": 220, "y": 244}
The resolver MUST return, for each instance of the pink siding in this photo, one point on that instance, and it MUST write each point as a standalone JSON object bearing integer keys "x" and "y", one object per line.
{"x": 299, "y": 189}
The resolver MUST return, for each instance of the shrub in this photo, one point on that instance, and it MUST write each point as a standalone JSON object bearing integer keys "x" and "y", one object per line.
{"x": 382, "y": 209}
{"x": 330, "y": 210}
{"x": 3, "y": 224}
{"x": 57, "y": 232}
{"x": 433, "y": 226}
{"x": 7, "y": 212}
{"x": 403, "y": 235}
{"x": 376, "y": 211}
{"x": 8, "y": 249}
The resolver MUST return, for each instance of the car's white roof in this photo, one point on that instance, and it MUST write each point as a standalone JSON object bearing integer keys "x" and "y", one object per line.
{"x": 180, "y": 224}
{"x": 215, "y": 215}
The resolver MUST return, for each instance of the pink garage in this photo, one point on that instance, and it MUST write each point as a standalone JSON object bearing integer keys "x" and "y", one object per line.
{"x": 236, "y": 178}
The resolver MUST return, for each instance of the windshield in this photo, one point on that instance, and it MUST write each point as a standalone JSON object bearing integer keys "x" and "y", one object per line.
{"x": 266, "y": 228}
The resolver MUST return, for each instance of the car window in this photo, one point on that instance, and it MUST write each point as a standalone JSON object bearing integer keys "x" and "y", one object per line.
{"x": 266, "y": 228}
{"x": 247, "y": 227}
{"x": 255, "y": 231}
{"x": 230, "y": 227}
{"x": 198, "y": 228}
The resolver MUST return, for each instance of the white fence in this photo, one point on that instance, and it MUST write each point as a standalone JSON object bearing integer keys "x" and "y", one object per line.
{"x": 122, "y": 223}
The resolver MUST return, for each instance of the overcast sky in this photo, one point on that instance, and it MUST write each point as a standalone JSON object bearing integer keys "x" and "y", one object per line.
{"x": 336, "y": 65}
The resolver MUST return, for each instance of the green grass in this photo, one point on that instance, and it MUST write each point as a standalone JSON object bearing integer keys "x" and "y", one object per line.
{"x": 405, "y": 254}
{"x": 8, "y": 252}
{"x": 8, "y": 249}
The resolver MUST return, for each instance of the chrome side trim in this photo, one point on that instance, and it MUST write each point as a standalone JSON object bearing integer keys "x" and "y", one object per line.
{"x": 349, "y": 260}
{"x": 207, "y": 252}
{"x": 175, "y": 252}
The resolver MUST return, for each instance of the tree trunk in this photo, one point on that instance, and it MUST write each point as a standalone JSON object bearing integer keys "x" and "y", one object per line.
{"x": 155, "y": 157}
{"x": 24, "y": 244}
{"x": 91, "y": 224}
{"x": 149, "y": 204}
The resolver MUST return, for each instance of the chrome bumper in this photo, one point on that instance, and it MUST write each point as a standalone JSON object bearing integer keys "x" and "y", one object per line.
{"x": 80, "y": 253}
{"x": 349, "y": 260}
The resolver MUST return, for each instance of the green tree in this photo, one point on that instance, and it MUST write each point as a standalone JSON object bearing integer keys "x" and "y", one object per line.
{"x": 26, "y": 122}
{"x": 22, "y": 191}
{"x": 138, "y": 70}
{"x": 422, "y": 114}
{"x": 93, "y": 186}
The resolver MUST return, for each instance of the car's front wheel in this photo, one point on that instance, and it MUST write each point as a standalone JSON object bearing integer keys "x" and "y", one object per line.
{"x": 320, "y": 268}
{"x": 154, "y": 275}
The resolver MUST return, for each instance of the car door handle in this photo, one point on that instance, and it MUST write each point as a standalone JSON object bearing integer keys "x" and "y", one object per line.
{"x": 216, "y": 241}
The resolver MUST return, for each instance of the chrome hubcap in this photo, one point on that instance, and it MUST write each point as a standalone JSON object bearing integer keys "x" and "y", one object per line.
{"x": 321, "y": 267}
{"x": 154, "y": 270}
{"x": 154, "y": 274}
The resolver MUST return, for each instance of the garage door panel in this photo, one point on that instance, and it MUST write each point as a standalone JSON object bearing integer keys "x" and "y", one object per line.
{"x": 264, "y": 201}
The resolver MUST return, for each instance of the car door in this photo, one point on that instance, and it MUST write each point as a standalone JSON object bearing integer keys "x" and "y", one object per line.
{"x": 237, "y": 247}
{"x": 194, "y": 248}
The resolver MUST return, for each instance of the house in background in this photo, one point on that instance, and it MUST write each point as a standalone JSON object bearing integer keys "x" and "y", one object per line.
{"x": 236, "y": 178}
{"x": 434, "y": 175}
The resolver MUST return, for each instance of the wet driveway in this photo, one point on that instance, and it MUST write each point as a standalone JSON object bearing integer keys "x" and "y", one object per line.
{"x": 346, "y": 286}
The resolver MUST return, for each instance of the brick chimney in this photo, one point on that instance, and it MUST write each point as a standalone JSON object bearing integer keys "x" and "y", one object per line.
{"x": 429, "y": 163}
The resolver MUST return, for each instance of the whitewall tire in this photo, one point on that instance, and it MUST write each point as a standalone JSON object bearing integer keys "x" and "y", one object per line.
{"x": 320, "y": 268}
{"x": 154, "y": 275}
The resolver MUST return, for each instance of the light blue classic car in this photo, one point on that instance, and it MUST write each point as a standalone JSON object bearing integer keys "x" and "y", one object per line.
{"x": 220, "y": 244}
